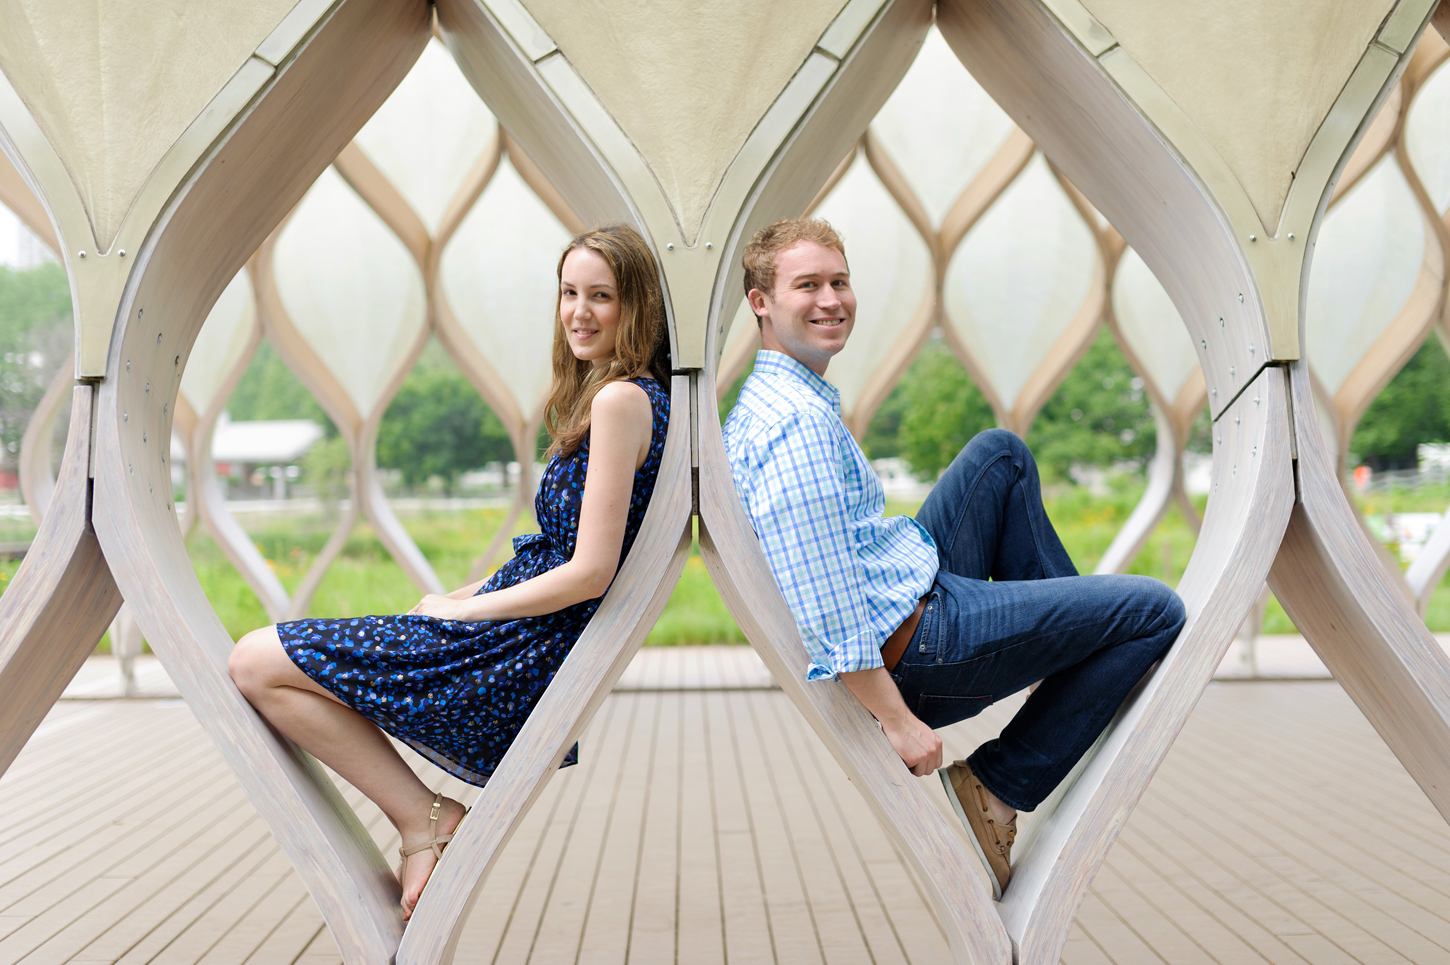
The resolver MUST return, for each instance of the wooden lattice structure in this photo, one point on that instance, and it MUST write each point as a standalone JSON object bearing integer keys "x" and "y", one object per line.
{"x": 163, "y": 178}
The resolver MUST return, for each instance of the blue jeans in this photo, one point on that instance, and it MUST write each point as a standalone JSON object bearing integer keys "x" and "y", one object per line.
{"x": 1008, "y": 609}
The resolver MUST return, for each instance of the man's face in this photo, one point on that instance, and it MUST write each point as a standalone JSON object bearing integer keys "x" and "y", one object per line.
{"x": 810, "y": 313}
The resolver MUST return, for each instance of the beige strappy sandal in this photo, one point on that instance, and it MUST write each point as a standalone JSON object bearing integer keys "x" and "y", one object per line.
{"x": 436, "y": 843}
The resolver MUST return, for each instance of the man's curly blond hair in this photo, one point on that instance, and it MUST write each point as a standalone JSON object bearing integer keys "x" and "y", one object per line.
{"x": 770, "y": 241}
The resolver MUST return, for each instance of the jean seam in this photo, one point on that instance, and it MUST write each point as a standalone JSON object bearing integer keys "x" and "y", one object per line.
{"x": 971, "y": 492}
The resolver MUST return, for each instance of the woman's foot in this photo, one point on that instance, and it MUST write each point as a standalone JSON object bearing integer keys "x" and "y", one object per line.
{"x": 424, "y": 838}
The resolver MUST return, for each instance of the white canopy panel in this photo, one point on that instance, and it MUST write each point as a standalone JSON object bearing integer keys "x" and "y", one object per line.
{"x": 498, "y": 275}
{"x": 429, "y": 134}
{"x": 1152, "y": 327}
{"x": 1366, "y": 262}
{"x": 350, "y": 288}
{"x": 221, "y": 343}
{"x": 1427, "y": 137}
{"x": 891, "y": 273}
{"x": 1019, "y": 279}
{"x": 939, "y": 127}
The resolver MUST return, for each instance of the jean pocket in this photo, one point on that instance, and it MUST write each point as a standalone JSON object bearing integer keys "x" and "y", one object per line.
{"x": 940, "y": 710}
{"x": 928, "y": 630}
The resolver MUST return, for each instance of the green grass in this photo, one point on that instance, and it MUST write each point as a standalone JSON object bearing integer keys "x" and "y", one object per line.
{"x": 365, "y": 579}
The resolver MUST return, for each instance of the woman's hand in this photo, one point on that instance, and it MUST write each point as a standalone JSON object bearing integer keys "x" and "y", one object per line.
{"x": 442, "y": 607}
{"x": 619, "y": 439}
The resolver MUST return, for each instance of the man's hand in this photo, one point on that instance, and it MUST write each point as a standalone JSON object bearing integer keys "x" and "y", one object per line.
{"x": 916, "y": 743}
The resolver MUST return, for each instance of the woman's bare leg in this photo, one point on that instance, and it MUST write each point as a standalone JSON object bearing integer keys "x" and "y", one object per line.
{"x": 345, "y": 741}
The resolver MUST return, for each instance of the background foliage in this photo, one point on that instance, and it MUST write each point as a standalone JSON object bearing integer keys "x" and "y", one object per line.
{"x": 1413, "y": 408}
{"x": 35, "y": 339}
{"x": 438, "y": 428}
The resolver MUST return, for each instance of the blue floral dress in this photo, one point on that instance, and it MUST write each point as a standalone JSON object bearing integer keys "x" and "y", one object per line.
{"x": 458, "y": 693}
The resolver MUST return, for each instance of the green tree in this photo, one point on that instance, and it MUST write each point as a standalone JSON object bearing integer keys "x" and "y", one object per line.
{"x": 1099, "y": 415}
{"x": 1413, "y": 408}
{"x": 883, "y": 435}
{"x": 35, "y": 337}
{"x": 437, "y": 425}
{"x": 269, "y": 390}
{"x": 937, "y": 409}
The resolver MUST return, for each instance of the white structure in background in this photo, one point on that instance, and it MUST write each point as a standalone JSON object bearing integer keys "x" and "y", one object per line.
{"x": 240, "y": 449}
{"x": 897, "y": 479}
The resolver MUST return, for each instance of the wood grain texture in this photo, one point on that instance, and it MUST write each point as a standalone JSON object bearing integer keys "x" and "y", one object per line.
{"x": 54, "y": 611}
{"x": 1076, "y": 110}
{"x": 1073, "y": 830}
{"x": 323, "y": 89}
{"x": 635, "y": 599}
{"x": 1340, "y": 596}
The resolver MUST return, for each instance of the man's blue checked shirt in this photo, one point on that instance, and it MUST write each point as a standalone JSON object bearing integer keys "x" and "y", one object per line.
{"x": 850, "y": 576}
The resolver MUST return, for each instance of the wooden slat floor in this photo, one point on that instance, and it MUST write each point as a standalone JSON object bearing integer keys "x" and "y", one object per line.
{"x": 710, "y": 826}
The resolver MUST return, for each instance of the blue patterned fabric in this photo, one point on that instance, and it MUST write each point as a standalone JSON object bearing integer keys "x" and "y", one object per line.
{"x": 458, "y": 692}
{"x": 849, "y": 576}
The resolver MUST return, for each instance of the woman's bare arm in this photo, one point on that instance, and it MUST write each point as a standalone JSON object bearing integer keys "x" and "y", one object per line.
{"x": 621, "y": 419}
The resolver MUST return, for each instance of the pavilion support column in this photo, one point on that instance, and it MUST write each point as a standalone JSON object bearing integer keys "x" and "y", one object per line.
{"x": 54, "y": 612}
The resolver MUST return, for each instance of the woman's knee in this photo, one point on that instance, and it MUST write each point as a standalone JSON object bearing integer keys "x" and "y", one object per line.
{"x": 250, "y": 660}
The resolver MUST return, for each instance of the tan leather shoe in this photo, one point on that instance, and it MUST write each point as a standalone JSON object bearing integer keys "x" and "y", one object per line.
{"x": 993, "y": 841}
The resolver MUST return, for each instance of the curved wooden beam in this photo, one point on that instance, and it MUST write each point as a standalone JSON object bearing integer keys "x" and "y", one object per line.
{"x": 1338, "y": 593}
{"x": 374, "y": 504}
{"x": 358, "y": 430}
{"x": 945, "y": 868}
{"x": 1071, "y": 342}
{"x": 206, "y": 499}
{"x": 37, "y": 484}
{"x": 301, "y": 602}
{"x": 61, "y": 599}
{"x": 327, "y": 73}
{"x": 17, "y": 196}
{"x": 1429, "y": 568}
{"x": 1088, "y": 103}
{"x": 549, "y": 108}
{"x": 1165, "y": 483}
{"x": 523, "y": 495}
{"x": 635, "y": 600}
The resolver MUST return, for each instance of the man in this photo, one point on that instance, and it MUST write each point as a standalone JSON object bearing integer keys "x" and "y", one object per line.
{"x": 926, "y": 621}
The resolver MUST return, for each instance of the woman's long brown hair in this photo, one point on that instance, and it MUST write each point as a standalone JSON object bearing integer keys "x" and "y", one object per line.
{"x": 641, "y": 345}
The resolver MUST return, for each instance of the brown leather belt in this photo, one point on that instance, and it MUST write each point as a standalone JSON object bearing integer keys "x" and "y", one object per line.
{"x": 896, "y": 644}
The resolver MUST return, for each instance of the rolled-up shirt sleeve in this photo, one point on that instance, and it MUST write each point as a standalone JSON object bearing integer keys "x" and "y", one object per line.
{"x": 793, "y": 490}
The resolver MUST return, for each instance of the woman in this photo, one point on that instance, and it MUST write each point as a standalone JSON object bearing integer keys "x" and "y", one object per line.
{"x": 456, "y": 676}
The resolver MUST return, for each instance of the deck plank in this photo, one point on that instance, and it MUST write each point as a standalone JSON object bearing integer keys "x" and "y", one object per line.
{"x": 709, "y": 825}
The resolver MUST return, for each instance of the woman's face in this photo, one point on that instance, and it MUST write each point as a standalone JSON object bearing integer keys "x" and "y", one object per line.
{"x": 589, "y": 306}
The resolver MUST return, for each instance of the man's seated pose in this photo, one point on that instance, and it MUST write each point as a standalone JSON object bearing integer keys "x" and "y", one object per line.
{"x": 926, "y": 621}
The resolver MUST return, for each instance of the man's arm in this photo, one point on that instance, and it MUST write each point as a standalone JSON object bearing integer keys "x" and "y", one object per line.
{"x": 792, "y": 484}
{"x": 918, "y": 745}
